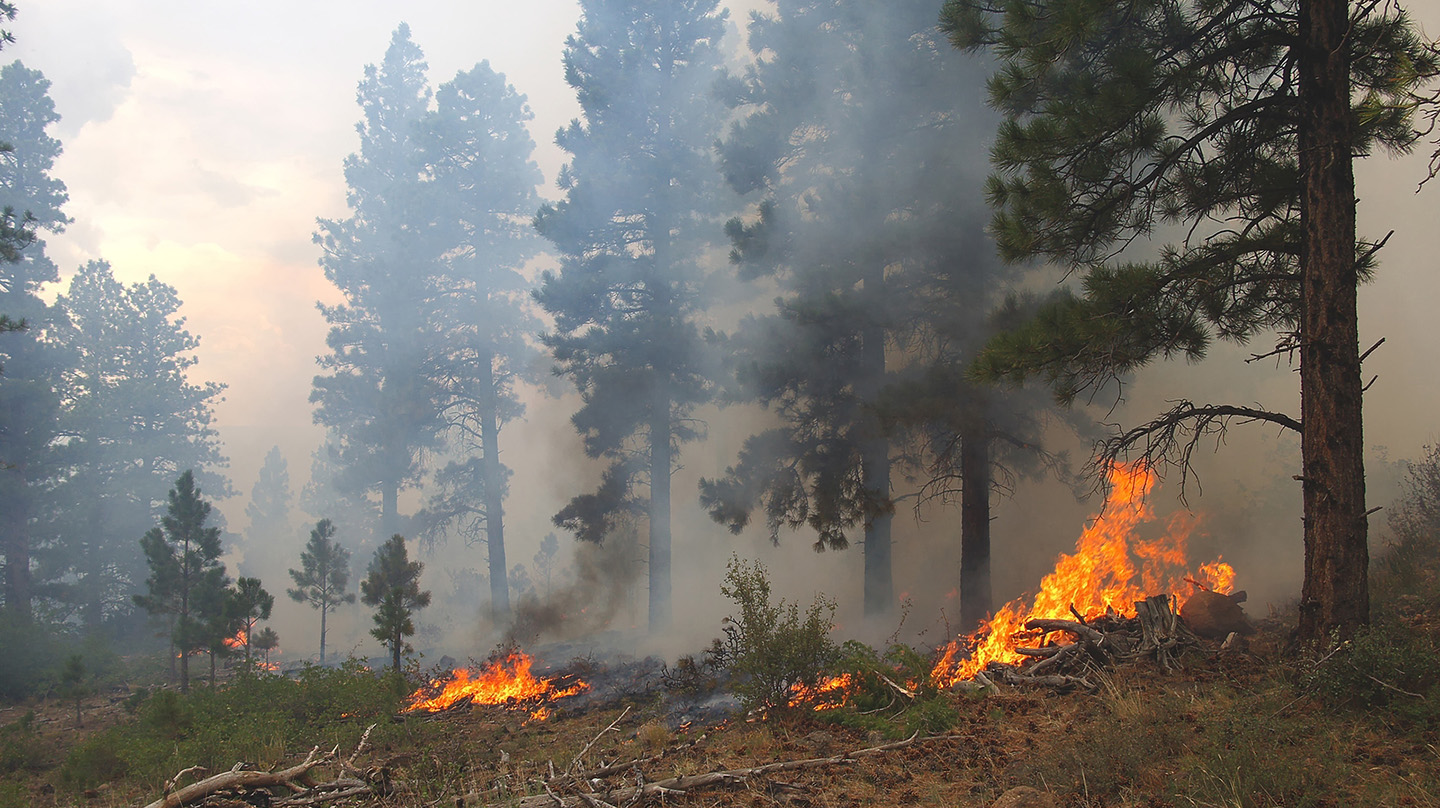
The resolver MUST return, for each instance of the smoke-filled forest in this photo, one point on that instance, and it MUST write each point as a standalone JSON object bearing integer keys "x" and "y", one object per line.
{"x": 841, "y": 365}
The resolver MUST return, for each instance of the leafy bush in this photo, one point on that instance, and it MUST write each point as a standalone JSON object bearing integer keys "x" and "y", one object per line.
{"x": 1387, "y": 666}
{"x": 1409, "y": 565}
{"x": 20, "y": 746}
{"x": 93, "y": 762}
{"x": 769, "y": 647}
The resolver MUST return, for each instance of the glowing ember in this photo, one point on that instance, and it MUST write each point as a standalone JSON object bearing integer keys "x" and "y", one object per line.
{"x": 506, "y": 681}
{"x": 1110, "y": 569}
{"x": 826, "y": 695}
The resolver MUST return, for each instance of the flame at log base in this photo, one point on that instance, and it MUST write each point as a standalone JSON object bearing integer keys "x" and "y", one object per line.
{"x": 1109, "y": 571}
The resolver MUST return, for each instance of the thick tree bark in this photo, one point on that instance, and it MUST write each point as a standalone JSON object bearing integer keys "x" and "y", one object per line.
{"x": 1335, "y": 594}
{"x": 324, "y": 607}
{"x": 875, "y": 462}
{"x": 17, "y": 560}
{"x": 494, "y": 499}
{"x": 660, "y": 464}
{"x": 975, "y": 595}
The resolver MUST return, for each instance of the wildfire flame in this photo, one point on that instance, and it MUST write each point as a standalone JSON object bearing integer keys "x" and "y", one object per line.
{"x": 825, "y": 695}
{"x": 1110, "y": 569}
{"x": 506, "y": 681}
{"x": 239, "y": 641}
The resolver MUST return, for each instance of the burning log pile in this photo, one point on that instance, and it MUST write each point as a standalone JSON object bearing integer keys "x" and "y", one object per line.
{"x": 1101, "y": 602}
{"x": 1156, "y": 631}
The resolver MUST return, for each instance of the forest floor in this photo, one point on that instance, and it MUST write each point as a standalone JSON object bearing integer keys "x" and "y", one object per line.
{"x": 1226, "y": 730}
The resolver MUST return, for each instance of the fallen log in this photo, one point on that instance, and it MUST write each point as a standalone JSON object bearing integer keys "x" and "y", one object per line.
{"x": 296, "y": 777}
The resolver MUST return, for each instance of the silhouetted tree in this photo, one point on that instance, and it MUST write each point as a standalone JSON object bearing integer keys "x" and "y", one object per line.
{"x": 1237, "y": 124}
{"x": 132, "y": 421}
{"x": 374, "y": 396}
{"x": 269, "y": 506}
{"x": 252, "y": 604}
{"x": 323, "y": 576}
{"x": 31, "y": 201}
{"x": 72, "y": 684}
{"x": 545, "y": 559}
{"x": 265, "y": 642}
{"x": 633, "y": 232}
{"x": 185, "y": 570}
{"x": 868, "y": 215}
{"x": 392, "y": 586}
{"x": 478, "y": 202}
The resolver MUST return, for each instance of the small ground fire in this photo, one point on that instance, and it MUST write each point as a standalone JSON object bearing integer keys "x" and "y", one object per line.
{"x": 506, "y": 681}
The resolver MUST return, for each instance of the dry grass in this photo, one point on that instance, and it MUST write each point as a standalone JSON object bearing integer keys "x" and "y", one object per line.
{"x": 1229, "y": 732}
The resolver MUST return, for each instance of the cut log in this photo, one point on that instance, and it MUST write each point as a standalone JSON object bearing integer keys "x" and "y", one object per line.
{"x": 1213, "y": 615}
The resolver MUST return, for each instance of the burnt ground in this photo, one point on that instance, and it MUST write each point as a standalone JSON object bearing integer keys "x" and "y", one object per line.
{"x": 1231, "y": 730}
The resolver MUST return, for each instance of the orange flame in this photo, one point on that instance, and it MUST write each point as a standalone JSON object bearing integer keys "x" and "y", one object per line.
{"x": 506, "y": 681}
{"x": 824, "y": 695}
{"x": 1110, "y": 569}
{"x": 237, "y": 641}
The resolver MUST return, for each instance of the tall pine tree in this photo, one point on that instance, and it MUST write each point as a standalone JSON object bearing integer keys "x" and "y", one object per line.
{"x": 642, "y": 200}
{"x": 375, "y": 395}
{"x": 1236, "y": 123}
{"x": 479, "y": 199}
{"x": 269, "y": 506}
{"x": 132, "y": 420}
{"x": 867, "y": 215}
{"x": 29, "y": 407}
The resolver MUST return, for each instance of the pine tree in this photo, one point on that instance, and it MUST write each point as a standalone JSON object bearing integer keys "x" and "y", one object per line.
{"x": 133, "y": 421}
{"x": 323, "y": 576}
{"x": 269, "y": 506}
{"x": 1237, "y": 124}
{"x": 866, "y": 219}
{"x": 251, "y": 604}
{"x": 633, "y": 231}
{"x": 185, "y": 571}
{"x": 29, "y": 430}
{"x": 479, "y": 199}
{"x": 375, "y": 397}
{"x": 392, "y": 586}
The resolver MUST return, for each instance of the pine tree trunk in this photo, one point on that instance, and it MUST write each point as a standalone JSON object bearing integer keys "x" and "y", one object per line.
{"x": 661, "y": 461}
{"x": 17, "y": 562}
{"x": 396, "y": 643}
{"x": 1335, "y": 594}
{"x": 324, "y": 607}
{"x": 875, "y": 461}
{"x": 389, "y": 510}
{"x": 494, "y": 499}
{"x": 975, "y": 596}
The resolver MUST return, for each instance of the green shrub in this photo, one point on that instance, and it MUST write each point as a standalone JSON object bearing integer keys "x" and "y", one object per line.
{"x": 93, "y": 762}
{"x": 167, "y": 715}
{"x": 20, "y": 746}
{"x": 1385, "y": 666}
{"x": 769, "y": 647}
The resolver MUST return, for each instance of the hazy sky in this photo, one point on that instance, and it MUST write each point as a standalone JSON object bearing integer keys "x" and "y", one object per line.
{"x": 203, "y": 138}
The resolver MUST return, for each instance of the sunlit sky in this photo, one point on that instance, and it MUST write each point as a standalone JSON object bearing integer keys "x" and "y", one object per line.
{"x": 203, "y": 138}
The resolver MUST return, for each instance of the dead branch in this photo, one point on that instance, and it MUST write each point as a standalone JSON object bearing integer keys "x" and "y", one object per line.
{"x": 576, "y": 760}
{"x": 238, "y": 778}
{"x": 1172, "y": 438}
{"x": 334, "y": 791}
{"x": 678, "y": 786}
